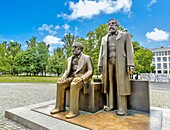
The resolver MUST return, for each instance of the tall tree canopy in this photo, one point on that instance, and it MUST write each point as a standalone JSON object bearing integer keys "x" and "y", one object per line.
{"x": 36, "y": 59}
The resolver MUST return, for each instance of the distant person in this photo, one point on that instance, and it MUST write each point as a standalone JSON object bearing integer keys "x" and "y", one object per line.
{"x": 136, "y": 77}
{"x": 79, "y": 71}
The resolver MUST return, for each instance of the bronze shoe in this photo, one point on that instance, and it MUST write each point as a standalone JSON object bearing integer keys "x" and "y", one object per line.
{"x": 121, "y": 112}
{"x": 70, "y": 115}
{"x": 54, "y": 111}
{"x": 106, "y": 108}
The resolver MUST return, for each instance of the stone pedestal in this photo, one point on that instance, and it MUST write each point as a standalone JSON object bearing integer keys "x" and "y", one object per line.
{"x": 38, "y": 117}
{"x": 139, "y": 98}
{"x": 92, "y": 101}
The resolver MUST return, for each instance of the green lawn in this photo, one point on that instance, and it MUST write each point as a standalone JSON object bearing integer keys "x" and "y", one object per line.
{"x": 30, "y": 79}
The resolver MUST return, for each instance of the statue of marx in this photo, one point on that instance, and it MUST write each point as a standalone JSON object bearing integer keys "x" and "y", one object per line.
{"x": 78, "y": 72}
{"x": 116, "y": 61}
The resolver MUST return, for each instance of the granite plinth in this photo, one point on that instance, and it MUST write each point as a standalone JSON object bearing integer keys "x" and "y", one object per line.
{"x": 92, "y": 101}
{"x": 38, "y": 117}
{"x": 139, "y": 98}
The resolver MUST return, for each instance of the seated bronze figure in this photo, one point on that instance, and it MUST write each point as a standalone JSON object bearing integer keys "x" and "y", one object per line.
{"x": 78, "y": 72}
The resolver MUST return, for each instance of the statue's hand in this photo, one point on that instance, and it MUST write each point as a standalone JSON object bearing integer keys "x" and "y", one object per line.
{"x": 130, "y": 69}
{"x": 77, "y": 79}
{"x": 61, "y": 79}
{"x": 100, "y": 69}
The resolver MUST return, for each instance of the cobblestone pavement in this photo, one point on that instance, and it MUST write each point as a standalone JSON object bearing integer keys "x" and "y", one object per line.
{"x": 13, "y": 95}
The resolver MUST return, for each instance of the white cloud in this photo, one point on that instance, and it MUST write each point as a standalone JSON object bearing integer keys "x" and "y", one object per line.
{"x": 45, "y": 27}
{"x": 50, "y": 39}
{"x": 76, "y": 30}
{"x": 49, "y": 28}
{"x": 11, "y": 40}
{"x": 152, "y": 2}
{"x": 57, "y": 27}
{"x": 66, "y": 26}
{"x": 157, "y": 35}
{"x": 89, "y": 8}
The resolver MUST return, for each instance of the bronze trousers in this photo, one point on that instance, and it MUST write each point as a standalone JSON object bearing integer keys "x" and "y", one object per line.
{"x": 121, "y": 100}
{"x": 74, "y": 95}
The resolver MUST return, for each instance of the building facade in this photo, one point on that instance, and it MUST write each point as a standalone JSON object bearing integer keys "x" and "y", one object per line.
{"x": 161, "y": 60}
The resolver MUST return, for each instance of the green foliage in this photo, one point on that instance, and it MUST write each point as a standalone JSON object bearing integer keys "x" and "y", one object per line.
{"x": 13, "y": 48}
{"x": 5, "y": 59}
{"x": 36, "y": 59}
{"x": 68, "y": 40}
{"x": 57, "y": 62}
{"x": 143, "y": 59}
{"x": 31, "y": 42}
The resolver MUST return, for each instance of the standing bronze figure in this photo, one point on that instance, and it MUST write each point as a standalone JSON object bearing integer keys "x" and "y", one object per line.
{"x": 79, "y": 71}
{"x": 116, "y": 61}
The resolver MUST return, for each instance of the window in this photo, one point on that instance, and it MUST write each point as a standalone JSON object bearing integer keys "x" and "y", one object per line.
{"x": 166, "y": 53}
{"x": 154, "y": 53}
{"x": 159, "y": 53}
{"x": 169, "y": 59}
{"x": 153, "y": 60}
{"x": 153, "y": 65}
{"x": 164, "y": 59}
{"x": 164, "y": 65}
{"x": 159, "y": 71}
{"x": 159, "y": 66}
{"x": 165, "y": 71}
{"x": 158, "y": 59}
{"x": 169, "y": 65}
{"x": 162, "y": 53}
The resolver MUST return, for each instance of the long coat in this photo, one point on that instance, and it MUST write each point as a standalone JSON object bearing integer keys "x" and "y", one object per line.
{"x": 84, "y": 69}
{"x": 124, "y": 58}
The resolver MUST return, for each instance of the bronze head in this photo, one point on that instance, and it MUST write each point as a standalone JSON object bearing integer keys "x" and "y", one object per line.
{"x": 113, "y": 25}
{"x": 77, "y": 48}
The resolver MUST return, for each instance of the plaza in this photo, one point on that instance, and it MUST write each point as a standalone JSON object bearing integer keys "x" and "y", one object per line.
{"x": 14, "y": 95}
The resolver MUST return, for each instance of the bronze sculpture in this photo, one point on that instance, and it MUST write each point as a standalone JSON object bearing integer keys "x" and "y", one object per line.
{"x": 116, "y": 61}
{"x": 79, "y": 71}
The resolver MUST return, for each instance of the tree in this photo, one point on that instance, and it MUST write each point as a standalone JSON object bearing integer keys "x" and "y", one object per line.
{"x": 42, "y": 57}
{"x": 13, "y": 49}
{"x": 57, "y": 62}
{"x": 68, "y": 40}
{"x": 27, "y": 61}
{"x": 5, "y": 58}
{"x": 4, "y": 64}
{"x": 142, "y": 58}
{"x": 31, "y": 42}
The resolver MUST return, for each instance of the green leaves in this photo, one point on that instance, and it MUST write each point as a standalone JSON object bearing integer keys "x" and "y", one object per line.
{"x": 142, "y": 58}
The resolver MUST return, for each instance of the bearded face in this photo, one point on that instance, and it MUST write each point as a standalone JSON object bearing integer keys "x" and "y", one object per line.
{"x": 76, "y": 50}
{"x": 113, "y": 27}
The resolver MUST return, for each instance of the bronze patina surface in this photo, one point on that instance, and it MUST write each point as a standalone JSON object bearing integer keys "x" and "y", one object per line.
{"x": 116, "y": 62}
{"x": 78, "y": 72}
{"x": 109, "y": 120}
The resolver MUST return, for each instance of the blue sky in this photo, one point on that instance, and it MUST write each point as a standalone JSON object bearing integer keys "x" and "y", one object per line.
{"x": 49, "y": 20}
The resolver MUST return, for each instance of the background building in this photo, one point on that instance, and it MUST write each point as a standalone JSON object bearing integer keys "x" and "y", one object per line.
{"x": 161, "y": 60}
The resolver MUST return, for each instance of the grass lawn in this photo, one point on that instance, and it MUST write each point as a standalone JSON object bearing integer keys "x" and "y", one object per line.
{"x": 30, "y": 79}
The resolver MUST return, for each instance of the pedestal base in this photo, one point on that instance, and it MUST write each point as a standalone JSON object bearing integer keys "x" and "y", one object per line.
{"x": 38, "y": 117}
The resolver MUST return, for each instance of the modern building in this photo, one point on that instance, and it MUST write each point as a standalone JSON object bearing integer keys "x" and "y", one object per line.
{"x": 161, "y": 60}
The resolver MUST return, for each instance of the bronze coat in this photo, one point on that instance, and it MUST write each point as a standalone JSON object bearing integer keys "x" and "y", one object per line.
{"x": 124, "y": 58}
{"x": 84, "y": 69}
